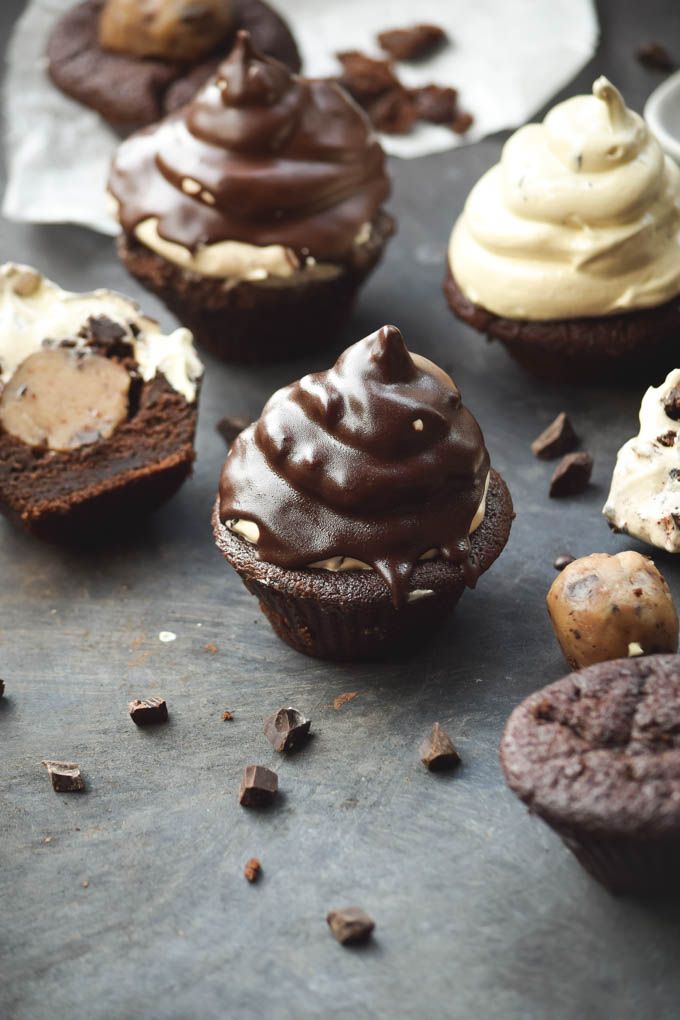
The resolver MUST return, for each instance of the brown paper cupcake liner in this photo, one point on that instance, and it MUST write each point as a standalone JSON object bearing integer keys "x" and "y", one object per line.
{"x": 628, "y": 865}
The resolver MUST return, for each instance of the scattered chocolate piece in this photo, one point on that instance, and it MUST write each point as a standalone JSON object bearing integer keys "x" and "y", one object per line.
{"x": 438, "y": 752}
{"x": 350, "y": 925}
{"x": 259, "y": 786}
{"x": 671, "y": 404}
{"x": 394, "y": 113}
{"x": 231, "y": 426}
{"x": 563, "y": 560}
{"x": 559, "y": 438}
{"x": 411, "y": 43}
{"x": 655, "y": 56}
{"x": 366, "y": 78}
{"x": 210, "y": 647}
{"x": 286, "y": 729}
{"x": 342, "y": 699}
{"x": 572, "y": 474}
{"x": 227, "y": 716}
{"x": 2, "y": 688}
{"x": 252, "y": 870}
{"x": 462, "y": 122}
{"x": 148, "y": 711}
{"x": 435, "y": 103}
{"x": 65, "y": 776}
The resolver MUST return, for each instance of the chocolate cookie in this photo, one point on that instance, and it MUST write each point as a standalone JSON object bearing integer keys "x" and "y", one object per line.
{"x": 636, "y": 346}
{"x": 596, "y": 755}
{"x": 131, "y": 91}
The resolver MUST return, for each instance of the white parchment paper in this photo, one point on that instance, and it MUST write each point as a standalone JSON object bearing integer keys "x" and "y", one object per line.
{"x": 507, "y": 58}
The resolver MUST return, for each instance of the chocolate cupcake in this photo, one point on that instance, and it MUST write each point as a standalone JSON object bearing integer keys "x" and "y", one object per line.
{"x": 597, "y": 756}
{"x": 97, "y": 408}
{"x": 133, "y": 61}
{"x": 568, "y": 251}
{"x": 361, "y": 503}
{"x": 256, "y": 211}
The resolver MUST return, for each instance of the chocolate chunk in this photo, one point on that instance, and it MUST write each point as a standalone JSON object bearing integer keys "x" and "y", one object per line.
{"x": 572, "y": 474}
{"x": 366, "y": 78}
{"x": 394, "y": 112}
{"x": 65, "y": 776}
{"x": 412, "y": 43}
{"x": 462, "y": 122}
{"x": 252, "y": 870}
{"x": 286, "y": 729}
{"x": 437, "y": 751}
{"x": 259, "y": 786}
{"x": 563, "y": 560}
{"x": 671, "y": 404}
{"x": 350, "y": 925}
{"x": 231, "y": 426}
{"x": 107, "y": 337}
{"x": 435, "y": 103}
{"x": 148, "y": 711}
{"x": 559, "y": 438}
{"x": 655, "y": 56}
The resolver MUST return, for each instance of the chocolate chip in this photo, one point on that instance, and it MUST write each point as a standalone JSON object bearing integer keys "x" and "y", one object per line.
{"x": 667, "y": 439}
{"x": 655, "y": 56}
{"x": 252, "y": 870}
{"x": 65, "y": 776}
{"x": 366, "y": 78}
{"x": 394, "y": 113}
{"x": 411, "y": 43}
{"x": 437, "y": 751}
{"x": 286, "y": 729}
{"x": 231, "y": 426}
{"x": 671, "y": 404}
{"x": 462, "y": 122}
{"x": 259, "y": 786}
{"x": 106, "y": 337}
{"x": 572, "y": 474}
{"x": 559, "y": 438}
{"x": 435, "y": 103}
{"x": 148, "y": 711}
{"x": 563, "y": 560}
{"x": 350, "y": 925}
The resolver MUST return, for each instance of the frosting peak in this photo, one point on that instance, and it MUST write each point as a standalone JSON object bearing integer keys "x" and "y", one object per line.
{"x": 376, "y": 459}
{"x": 580, "y": 218}
{"x": 260, "y": 156}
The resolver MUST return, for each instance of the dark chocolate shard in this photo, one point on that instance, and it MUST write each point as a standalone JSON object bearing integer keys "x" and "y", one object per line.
{"x": 231, "y": 426}
{"x": 572, "y": 475}
{"x": 65, "y": 776}
{"x": 148, "y": 711}
{"x": 259, "y": 786}
{"x": 412, "y": 43}
{"x": 350, "y": 925}
{"x": 559, "y": 438}
{"x": 286, "y": 729}
{"x": 437, "y": 751}
{"x": 563, "y": 560}
{"x": 252, "y": 870}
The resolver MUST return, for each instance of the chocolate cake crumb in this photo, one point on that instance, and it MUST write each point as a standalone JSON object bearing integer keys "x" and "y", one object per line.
{"x": 227, "y": 716}
{"x": 412, "y": 43}
{"x": 342, "y": 699}
{"x": 655, "y": 56}
{"x": 435, "y": 103}
{"x": 563, "y": 560}
{"x": 252, "y": 870}
{"x": 572, "y": 475}
{"x": 287, "y": 729}
{"x": 559, "y": 438}
{"x": 211, "y": 648}
{"x": 462, "y": 122}
{"x": 393, "y": 113}
{"x": 437, "y": 751}
{"x": 366, "y": 78}
{"x": 148, "y": 711}
{"x": 350, "y": 925}
{"x": 65, "y": 776}
{"x": 231, "y": 426}
{"x": 259, "y": 786}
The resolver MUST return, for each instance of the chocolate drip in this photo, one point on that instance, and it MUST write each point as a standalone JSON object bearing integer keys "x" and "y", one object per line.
{"x": 267, "y": 158}
{"x": 376, "y": 459}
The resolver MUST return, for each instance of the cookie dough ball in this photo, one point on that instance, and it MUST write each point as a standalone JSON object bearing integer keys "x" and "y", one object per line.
{"x": 184, "y": 30}
{"x": 607, "y": 607}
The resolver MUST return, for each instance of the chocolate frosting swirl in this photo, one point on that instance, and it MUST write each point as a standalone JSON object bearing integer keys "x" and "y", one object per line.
{"x": 376, "y": 459}
{"x": 259, "y": 156}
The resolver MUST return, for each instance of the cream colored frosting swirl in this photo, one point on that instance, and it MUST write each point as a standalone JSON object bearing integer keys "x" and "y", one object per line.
{"x": 581, "y": 217}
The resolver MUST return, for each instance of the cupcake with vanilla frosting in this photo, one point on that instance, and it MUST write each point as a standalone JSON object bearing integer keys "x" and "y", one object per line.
{"x": 568, "y": 250}
{"x": 256, "y": 211}
{"x": 362, "y": 503}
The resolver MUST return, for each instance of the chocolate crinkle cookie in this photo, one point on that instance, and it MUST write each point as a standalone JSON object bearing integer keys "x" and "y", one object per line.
{"x": 596, "y": 755}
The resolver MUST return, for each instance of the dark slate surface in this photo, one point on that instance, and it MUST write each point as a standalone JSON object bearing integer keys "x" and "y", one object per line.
{"x": 480, "y": 911}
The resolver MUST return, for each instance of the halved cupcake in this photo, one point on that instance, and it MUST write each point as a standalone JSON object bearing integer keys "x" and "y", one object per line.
{"x": 97, "y": 408}
{"x": 362, "y": 503}
{"x": 568, "y": 250}
{"x": 255, "y": 212}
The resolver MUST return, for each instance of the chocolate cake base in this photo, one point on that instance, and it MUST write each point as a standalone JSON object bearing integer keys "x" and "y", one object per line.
{"x": 248, "y": 321}
{"x": 636, "y": 346}
{"x": 596, "y": 755}
{"x": 104, "y": 487}
{"x": 130, "y": 91}
{"x": 349, "y": 615}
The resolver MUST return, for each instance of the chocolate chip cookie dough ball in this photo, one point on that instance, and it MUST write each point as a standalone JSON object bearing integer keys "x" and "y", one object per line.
{"x": 606, "y": 607}
{"x": 183, "y": 30}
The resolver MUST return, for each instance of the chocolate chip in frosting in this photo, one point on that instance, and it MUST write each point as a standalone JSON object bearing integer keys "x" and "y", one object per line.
{"x": 671, "y": 404}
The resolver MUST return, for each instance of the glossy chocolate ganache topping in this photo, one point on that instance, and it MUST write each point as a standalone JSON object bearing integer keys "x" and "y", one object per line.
{"x": 260, "y": 156}
{"x": 376, "y": 459}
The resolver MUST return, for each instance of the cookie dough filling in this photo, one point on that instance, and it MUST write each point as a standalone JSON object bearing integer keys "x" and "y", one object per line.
{"x": 183, "y": 30}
